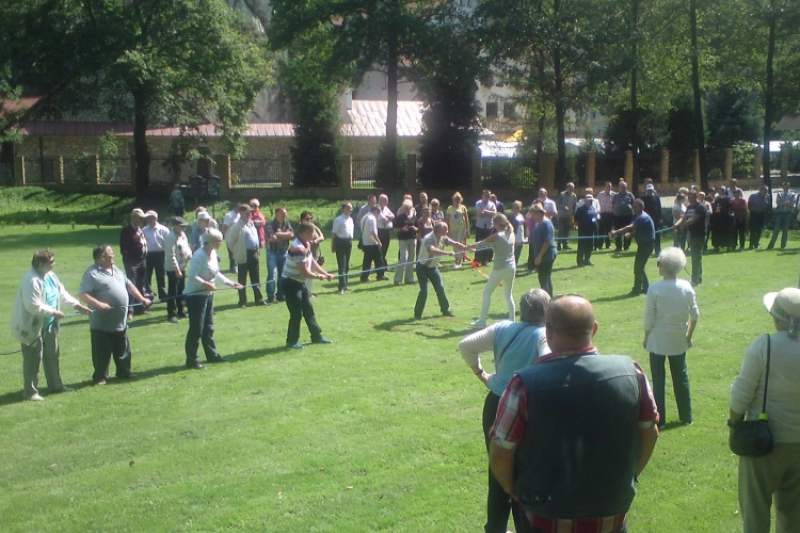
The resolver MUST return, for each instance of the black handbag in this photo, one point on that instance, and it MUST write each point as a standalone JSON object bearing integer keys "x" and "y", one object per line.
{"x": 752, "y": 438}
{"x": 321, "y": 260}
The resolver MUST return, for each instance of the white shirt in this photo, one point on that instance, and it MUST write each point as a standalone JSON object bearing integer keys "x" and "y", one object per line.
{"x": 156, "y": 237}
{"x": 484, "y": 221}
{"x": 428, "y": 241}
{"x": 343, "y": 227}
{"x": 605, "y": 200}
{"x": 550, "y": 208}
{"x": 231, "y": 218}
{"x": 369, "y": 226}
{"x": 670, "y": 304}
{"x": 385, "y": 218}
{"x": 203, "y": 267}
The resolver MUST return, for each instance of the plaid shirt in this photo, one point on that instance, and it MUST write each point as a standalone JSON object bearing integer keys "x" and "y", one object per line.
{"x": 270, "y": 230}
{"x": 509, "y": 430}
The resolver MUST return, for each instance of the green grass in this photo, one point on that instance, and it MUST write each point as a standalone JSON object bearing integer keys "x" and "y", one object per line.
{"x": 379, "y": 431}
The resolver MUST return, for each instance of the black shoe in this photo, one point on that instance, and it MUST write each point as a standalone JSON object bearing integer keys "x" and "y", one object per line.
{"x": 196, "y": 366}
{"x": 417, "y": 317}
{"x": 280, "y": 298}
{"x": 634, "y": 292}
{"x": 219, "y": 359}
{"x": 448, "y": 313}
{"x": 588, "y": 264}
{"x": 129, "y": 375}
{"x": 262, "y": 302}
{"x": 182, "y": 316}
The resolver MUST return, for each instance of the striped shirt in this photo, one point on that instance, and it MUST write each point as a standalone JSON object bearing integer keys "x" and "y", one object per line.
{"x": 299, "y": 253}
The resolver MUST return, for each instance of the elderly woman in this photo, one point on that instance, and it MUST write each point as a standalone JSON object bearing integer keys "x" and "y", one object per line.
{"x": 669, "y": 320}
{"x": 405, "y": 225}
{"x": 774, "y": 477}
{"x": 199, "y": 291}
{"x": 505, "y": 267}
{"x": 457, "y": 220}
{"x": 516, "y": 345}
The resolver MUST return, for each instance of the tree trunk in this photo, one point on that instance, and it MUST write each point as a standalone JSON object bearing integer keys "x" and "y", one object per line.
{"x": 561, "y": 111}
{"x": 769, "y": 104}
{"x": 392, "y": 59}
{"x": 142, "y": 153}
{"x": 635, "y": 96}
{"x": 699, "y": 133}
{"x": 540, "y": 127}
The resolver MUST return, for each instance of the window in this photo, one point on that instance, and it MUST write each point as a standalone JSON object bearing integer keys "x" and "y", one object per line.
{"x": 509, "y": 109}
{"x": 491, "y": 109}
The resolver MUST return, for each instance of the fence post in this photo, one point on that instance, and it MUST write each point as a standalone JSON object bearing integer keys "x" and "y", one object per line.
{"x": 286, "y": 172}
{"x": 477, "y": 173}
{"x": 728, "y": 164}
{"x": 19, "y": 171}
{"x": 548, "y": 176}
{"x": 696, "y": 166}
{"x": 346, "y": 179}
{"x": 60, "y": 175}
{"x": 664, "y": 178}
{"x": 628, "y": 169}
{"x": 222, "y": 167}
{"x": 758, "y": 161}
{"x": 784, "y": 163}
{"x": 591, "y": 165}
{"x": 96, "y": 169}
{"x": 411, "y": 172}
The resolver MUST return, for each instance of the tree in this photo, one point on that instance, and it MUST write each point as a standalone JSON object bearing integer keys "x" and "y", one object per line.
{"x": 732, "y": 116}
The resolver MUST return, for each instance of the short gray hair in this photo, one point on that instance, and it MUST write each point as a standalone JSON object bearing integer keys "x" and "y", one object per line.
{"x": 212, "y": 235}
{"x": 533, "y": 305}
{"x": 672, "y": 260}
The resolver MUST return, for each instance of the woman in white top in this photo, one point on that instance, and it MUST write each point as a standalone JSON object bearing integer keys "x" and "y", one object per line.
{"x": 774, "y": 477}
{"x": 669, "y": 321}
{"x": 199, "y": 293}
{"x": 678, "y": 213}
{"x": 502, "y": 244}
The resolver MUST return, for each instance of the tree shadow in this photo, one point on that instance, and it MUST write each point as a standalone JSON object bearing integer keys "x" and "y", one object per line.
{"x": 616, "y": 298}
{"x": 673, "y": 425}
{"x": 256, "y": 353}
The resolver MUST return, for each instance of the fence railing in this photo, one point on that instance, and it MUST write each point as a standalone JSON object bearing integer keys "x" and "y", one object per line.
{"x": 263, "y": 172}
{"x": 510, "y": 172}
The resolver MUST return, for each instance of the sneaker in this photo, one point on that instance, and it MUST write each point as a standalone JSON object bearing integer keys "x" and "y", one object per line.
{"x": 295, "y": 346}
{"x": 478, "y": 323}
{"x": 272, "y": 301}
{"x": 172, "y": 320}
{"x": 321, "y": 340}
{"x": 35, "y": 397}
{"x": 100, "y": 383}
{"x": 448, "y": 313}
{"x": 262, "y": 302}
{"x": 340, "y": 292}
{"x": 456, "y": 266}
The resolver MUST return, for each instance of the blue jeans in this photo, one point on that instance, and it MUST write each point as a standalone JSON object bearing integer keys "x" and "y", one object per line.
{"x": 201, "y": 328}
{"x": 424, "y": 275}
{"x": 680, "y": 384}
{"x": 275, "y": 262}
{"x": 781, "y": 222}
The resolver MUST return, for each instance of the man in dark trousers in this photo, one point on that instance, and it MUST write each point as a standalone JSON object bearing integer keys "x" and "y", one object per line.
{"x": 133, "y": 247}
{"x": 644, "y": 231}
{"x": 695, "y": 219}
{"x": 586, "y": 218}
{"x": 652, "y": 206}
{"x": 570, "y": 423}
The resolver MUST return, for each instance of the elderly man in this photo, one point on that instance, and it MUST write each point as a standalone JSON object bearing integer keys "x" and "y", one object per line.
{"x": 371, "y": 246}
{"x": 342, "y": 243}
{"x": 133, "y": 247}
{"x": 385, "y": 225}
{"x": 485, "y": 210}
{"x": 242, "y": 239}
{"x": 178, "y": 254}
{"x": 202, "y": 225}
{"x": 430, "y": 252}
{"x": 758, "y": 205}
{"x": 605, "y": 216}
{"x": 106, "y": 290}
{"x": 155, "y": 234}
{"x": 623, "y": 213}
{"x": 570, "y": 423}
{"x": 279, "y": 234}
{"x": 586, "y": 218}
{"x": 784, "y": 203}
{"x": 230, "y": 218}
{"x": 652, "y": 206}
{"x": 566, "y": 203}
{"x": 543, "y": 246}
{"x": 34, "y": 323}
{"x": 365, "y": 209}
{"x": 695, "y": 219}
{"x": 644, "y": 231}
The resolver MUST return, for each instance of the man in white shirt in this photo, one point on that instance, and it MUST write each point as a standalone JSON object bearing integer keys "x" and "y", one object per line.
{"x": 371, "y": 245}
{"x": 342, "y": 243}
{"x": 155, "y": 234}
{"x": 385, "y": 225}
{"x": 231, "y": 218}
{"x": 242, "y": 239}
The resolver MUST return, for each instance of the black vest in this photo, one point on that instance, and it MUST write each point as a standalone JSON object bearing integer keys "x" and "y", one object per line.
{"x": 581, "y": 445}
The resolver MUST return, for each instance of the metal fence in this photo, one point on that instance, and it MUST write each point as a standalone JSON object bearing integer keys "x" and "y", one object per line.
{"x": 609, "y": 168}
{"x": 510, "y": 172}
{"x": 261, "y": 173}
{"x": 366, "y": 171}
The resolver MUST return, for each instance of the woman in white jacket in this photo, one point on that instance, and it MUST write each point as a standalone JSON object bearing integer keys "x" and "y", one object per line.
{"x": 34, "y": 323}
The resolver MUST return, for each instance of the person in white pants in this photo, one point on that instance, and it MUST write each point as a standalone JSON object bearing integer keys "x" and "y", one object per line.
{"x": 405, "y": 226}
{"x": 504, "y": 269}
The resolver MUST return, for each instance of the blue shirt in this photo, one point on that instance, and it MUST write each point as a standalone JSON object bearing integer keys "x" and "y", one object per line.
{"x": 516, "y": 346}
{"x": 52, "y": 297}
{"x": 250, "y": 234}
{"x": 544, "y": 232}
{"x": 643, "y": 229}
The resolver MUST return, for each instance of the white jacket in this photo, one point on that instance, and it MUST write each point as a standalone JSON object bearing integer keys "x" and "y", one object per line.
{"x": 236, "y": 241}
{"x": 30, "y": 308}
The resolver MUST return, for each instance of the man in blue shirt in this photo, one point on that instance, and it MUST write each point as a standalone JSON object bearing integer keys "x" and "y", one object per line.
{"x": 644, "y": 232}
{"x": 542, "y": 241}
{"x": 586, "y": 218}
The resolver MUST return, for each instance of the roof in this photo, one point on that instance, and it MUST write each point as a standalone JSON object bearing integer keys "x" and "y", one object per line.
{"x": 367, "y": 118}
{"x": 789, "y": 123}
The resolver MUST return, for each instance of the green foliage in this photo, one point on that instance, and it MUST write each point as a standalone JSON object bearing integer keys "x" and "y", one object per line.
{"x": 189, "y": 147}
{"x": 731, "y": 116}
{"x": 743, "y": 159}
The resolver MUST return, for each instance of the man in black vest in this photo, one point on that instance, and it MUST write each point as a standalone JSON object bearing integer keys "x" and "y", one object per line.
{"x": 572, "y": 423}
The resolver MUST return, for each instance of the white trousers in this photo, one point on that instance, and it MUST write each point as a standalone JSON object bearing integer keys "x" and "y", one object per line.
{"x": 405, "y": 254}
{"x": 506, "y": 277}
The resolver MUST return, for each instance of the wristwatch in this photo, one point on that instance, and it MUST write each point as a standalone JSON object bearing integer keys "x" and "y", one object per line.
{"x": 732, "y": 424}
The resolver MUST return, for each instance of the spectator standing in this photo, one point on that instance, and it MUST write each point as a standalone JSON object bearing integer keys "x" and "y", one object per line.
{"x": 678, "y": 213}
{"x": 385, "y": 225}
{"x": 366, "y": 208}
{"x": 774, "y": 478}
{"x": 520, "y": 229}
{"x": 722, "y": 222}
{"x": 485, "y": 210}
{"x": 242, "y": 239}
{"x": 708, "y": 202}
{"x": 623, "y": 214}
{"x": 371, "y": 246}
{"x": 740, "y": 218}
{"x": 203, "y": 224}
{"x": 155, "y": 234}
{"x": 178, "y": 254}
{"x": 782, "y": 221}
{"x": 645, "y": 233}
{"x": 500, "y": 207}
{"x": 437, "y": 215}
{"x": 733, "y": 187}
{"x": 423, "y": 202}
{"x": 259, "y": 221}
{"x": 230, "y": 218}
{"x": 605, "y": 216}
{"x": 503, "y": 270}
{"x": 566, "y": 203}
{"x": 652, "y": 206}
{"x": 106, "y": 289}
{"x": 34, "y": 323}
{"x": 342, "y": 243}
{"x": 133, "y": 247}
{"x": 424, "y": 225}
{"x": 542, "y": 242}
{"x": 278, "y": 234}
{"x": 457, "y": 220}
{"x": 405, "y": 226}
{"x": 670, "y": 318}
{"x": 586, "y": 218}
{"x": 694, "y": 221}
{"x": 758, "y": 205}
{"x": 177, "y": 201}
{"x": 428, "y": 268}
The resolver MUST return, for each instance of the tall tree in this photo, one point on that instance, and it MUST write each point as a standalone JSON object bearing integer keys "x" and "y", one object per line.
{"x": 697, "y": 96}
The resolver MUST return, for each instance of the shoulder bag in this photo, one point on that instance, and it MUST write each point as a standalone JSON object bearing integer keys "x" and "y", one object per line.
{"x": 752, "y": 438}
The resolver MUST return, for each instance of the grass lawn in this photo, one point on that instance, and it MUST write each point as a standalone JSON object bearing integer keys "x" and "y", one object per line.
{"x": 379, "y": 431}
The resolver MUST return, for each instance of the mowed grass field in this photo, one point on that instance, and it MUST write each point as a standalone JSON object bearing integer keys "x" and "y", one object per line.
{"x": 379, "y": 431}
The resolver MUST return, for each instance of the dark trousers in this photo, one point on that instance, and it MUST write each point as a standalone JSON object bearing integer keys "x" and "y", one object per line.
{"x": 643, "y": 253}
{"x": 298, "y": 300}
{"x": 201, "y": 328}
{"x": 385, "y": 235}
{"x": 544, "y": 270}
{"x": 175, "y": 286}
{"x": 231, "y": 260}
{"x": 657, "y": 249}
{"x": 531, "y": 257}
{"x": 757, "y": 221}
{"x": 680, "y": 385}
{"x": 606, "y": 224}
{"x": 179, "y": 211}
{"x": 372, "y": 255}
{"x": 155, "y": 261}
{"x": 563, "y": 225}
{"x": 424, "y": 275}
{"x": 343, "y": 248}
{"x": 135, "y": 271}
{"x": 250, "y": 267}
{"x": 781, "y": 222}
{"x": 484, "y": 256}
{"x": 739, "y": 231}
{"x": 585, "y": 247}
{"x": 108, "y": 344}
{"x": 498, "y": 504}
{"x": 620, "y": 222}
{"x": 696, "y": 252}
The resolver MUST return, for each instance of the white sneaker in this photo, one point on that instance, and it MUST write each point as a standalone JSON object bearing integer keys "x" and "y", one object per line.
{"x": 456, "y": 266}
{"x": 34, "y": 397}
{"x": 478, "y": 323}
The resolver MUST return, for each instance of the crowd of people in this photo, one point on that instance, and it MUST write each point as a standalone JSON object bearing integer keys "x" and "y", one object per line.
{"x": 552, "y": 402}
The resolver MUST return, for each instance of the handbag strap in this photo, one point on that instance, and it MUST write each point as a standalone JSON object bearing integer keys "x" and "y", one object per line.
{"x": 766, "y": 378}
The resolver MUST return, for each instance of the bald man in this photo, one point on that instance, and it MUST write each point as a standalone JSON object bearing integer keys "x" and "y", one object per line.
{"x": 572, "y": 422}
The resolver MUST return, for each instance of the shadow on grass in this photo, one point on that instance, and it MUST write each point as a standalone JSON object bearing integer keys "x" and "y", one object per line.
{"x": 617, "y": 298}
{"x": 673, "y": 425}
{"x": 34, "y": 235}
{"x": 253, "y": 354}
{"x": 428, "y": 325}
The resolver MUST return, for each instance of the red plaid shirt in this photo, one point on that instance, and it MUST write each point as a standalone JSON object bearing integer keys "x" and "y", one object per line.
{"x": 509, "y": 429}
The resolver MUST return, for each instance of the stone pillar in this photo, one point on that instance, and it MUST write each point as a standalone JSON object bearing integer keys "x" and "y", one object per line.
{"x": 664, "y": 177}
{"x": 477, "y": 174}
{"x": 346, "y": 179}
{"x": 286, "y": 172}
{"x": 411, "y": 172}
{"x": 728, "y": 164}
{"x": 19, "y": 171}
{"x": 222, "y": 168}
{"x": 758, "y": 162}
{"x": 547, "y": 175}
{"x": 784, "y": 163}
{"x": 629, "y": 169}
{"x": 96, "y": 169}
{"x": 60, "y": 170}
{"x": 591, "y": 165}
{"x": 696, "y": 166}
